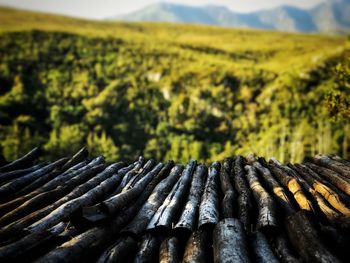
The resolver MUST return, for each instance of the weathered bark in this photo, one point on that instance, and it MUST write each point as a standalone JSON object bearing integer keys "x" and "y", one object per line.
{"x": 92, "y": 189}
{"x": 13, "y": 186}
{"x": 169, "y": 251}
{"x": 262, "y": 249}
{"x": 292, "y": 184}
{"x": 209, "y": 206}
{"x": 116, "y": 203}
{"x": 230, "y": 195}
{"x": 167, "y": 212}
{"x": 283, "y": 248}
{"x": 16, "y": 229}
{"x": 338, "y": 167}
{"x": 245, "y": 200}
{"x": 8, "y": 176}
{"x": 148, "y": 249}
{"x": 198, "y": 247}
{"x": 229, "y": 242}
{"x": 138, "y": 225}
{"x": 22, "y": 162}
{"x": 80, "y": 156}
{"x": 332, "y": 197}
{"x": 306, "y": 239}
{"x": 331, "y": 214}
{"x": 189, "y": 213}
{"x": 17, "y": 250}
{"x": 123, "y": 250}
{"x": 332, "y": 176}
{"x": 11, "y": 205}
{"x": 274, "y": 187}
{"x": 340, "y": 160}
{"x": 91, "y": 242}
{"x": 267, "y": 218}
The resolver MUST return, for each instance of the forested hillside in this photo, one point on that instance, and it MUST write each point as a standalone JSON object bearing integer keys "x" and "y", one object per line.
{"x": 166, "y": 91}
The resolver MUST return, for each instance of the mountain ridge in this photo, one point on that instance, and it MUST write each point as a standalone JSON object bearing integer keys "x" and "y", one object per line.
{"x": 327, "y": 17}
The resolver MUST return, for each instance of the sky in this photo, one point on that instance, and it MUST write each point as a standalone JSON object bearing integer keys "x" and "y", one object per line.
{"x": 99, "y": 9}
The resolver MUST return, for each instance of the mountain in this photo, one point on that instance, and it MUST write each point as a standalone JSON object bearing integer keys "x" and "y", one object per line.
{"x": 332, "y": 16}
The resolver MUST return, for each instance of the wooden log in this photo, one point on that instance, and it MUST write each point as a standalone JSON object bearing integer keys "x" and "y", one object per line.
{"x": 89, "y": 192}
{"x": 93, "y": 241}
{"x": 283, "y": 248}
{"x": 138, "y": 167}
{"x": 230, "y": 195}
{"x": 22, "y": 162}
{"x": 124, "y": 249}
{"x": 262, "y": 250}
{"x": 331, "y": 164}
{"x": 332, "y": 197}
{"x": 340, "y": 160}
{"x": 169, "y": 251}
{"x": 147, "y": 250}
{"x": 209, "y": 206}
{"x": 292, "y": 184}
{"x": 189, "y": 212}
{"x": 274, "y": 187}
{"x": 198, "y": 247}
{"x": 229, "y": 242}
{"x": 8, "y": 176}
{"x": 245, "y": 199}
{"x": 11, "y": 205}
{"x": 139, "y": 224}
{"x": 17, "y": 250}
{"x": 332, "y": 177}
{"x": 13, "y": 186}
{"x": 115, "y": 204}
{"x": 306, "y": 239}
{"x": 80, "y": 156}
{"x": 166, "y": 213}
{"x": 65, "y": 193}
{"x": 267, "y": 214}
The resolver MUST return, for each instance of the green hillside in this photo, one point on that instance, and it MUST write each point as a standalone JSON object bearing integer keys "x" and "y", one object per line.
{"x": 165, "y": 91}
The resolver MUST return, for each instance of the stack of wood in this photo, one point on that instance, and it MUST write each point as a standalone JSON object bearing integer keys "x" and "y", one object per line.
{"x": 83, "y": 209}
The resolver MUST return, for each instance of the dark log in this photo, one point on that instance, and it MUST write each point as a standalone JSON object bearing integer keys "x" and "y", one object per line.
{"x": 148, "y": 249}
{"x": 93, "y": 241}
{"x": 138, "y": 225}
{"x": 338, "y": 167}
{"x": 230, "y": 195}
{"x": 198, "y": 247}
{"x": 209, "y": 206}
{"x": 166, "y": 213}
{"x": 123, "y": 250}
{"x": 189, "y": 213}
{"x": 89, "y": 192}
{"x": 292, "y": 184}
{"x": 306, "y": 239}
{"x": 332, "y": 197}
{"x": 274, "y": 187}
{"x": 17, "y": 250}
{"x": 169, "y": 251}
{"x": 283, "y": 248}
{"x": 229, "y": 242}
{"x": 267, "y": 218}
{"x": 340, "y": 160}
{"x": 245, "y": 200}
{"x": 8, "y": 176}
{"x": 262, "y": 249}
{"x": 13, "y": 186}
{"x": 11, "y": 205}
{"x": 16, "y": 229}
{"x": 336, "y": 179}
{"x": 80, "y": 156}
{"x": 22, "y": 162}
{"x": 116, "y": 203}
{"x": 138, "y": 167}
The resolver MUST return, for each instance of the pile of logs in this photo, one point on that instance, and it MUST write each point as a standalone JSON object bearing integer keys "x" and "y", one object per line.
{"x": 84, "y": 209}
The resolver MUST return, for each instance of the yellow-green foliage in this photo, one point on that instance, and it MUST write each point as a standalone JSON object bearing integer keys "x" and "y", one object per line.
{"x": 164, "y": 90}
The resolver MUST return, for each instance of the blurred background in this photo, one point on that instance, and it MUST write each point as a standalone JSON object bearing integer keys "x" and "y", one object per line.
{"x": 171, "y": 80}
